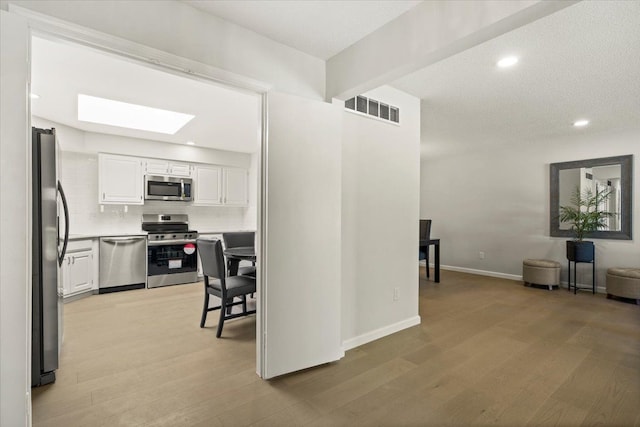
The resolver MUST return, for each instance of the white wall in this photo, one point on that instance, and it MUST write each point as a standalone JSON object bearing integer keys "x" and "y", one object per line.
{"x": 76, "y": 140}
{"x": 79, "y": 178}
{"x": 15, "y": 223}
{"x": 177, "y": 28}
{"x": 301, "y": 294}
{"x": 496, "y": 200}
{"x": 380, "y": 206}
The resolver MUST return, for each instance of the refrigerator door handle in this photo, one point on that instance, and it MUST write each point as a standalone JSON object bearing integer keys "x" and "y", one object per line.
{"x": 66, "y": 225}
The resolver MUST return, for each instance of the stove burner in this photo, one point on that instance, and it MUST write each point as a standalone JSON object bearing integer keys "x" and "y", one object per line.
{"x": 168, "y": 227}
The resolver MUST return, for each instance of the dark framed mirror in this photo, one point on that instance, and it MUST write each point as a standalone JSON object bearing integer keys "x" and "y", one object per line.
{"x": 611, "y": 173}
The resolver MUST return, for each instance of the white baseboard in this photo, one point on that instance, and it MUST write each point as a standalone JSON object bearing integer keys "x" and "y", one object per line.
{"x": 599, "y": 289}
{"x": 482, "y": 272}
{"x": 379, "y": 333}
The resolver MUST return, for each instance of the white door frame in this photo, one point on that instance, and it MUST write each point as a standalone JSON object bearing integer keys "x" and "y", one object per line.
{"x": 49, "y": 27}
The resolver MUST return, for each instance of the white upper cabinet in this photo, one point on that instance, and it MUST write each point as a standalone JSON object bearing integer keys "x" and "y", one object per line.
{"x": 235, "y": 187}
{"x": 179, "y": 169}
{"x": 120, "y": 180}
{"x": 164, "y": 167}
{"x": 208, "y": 185}
{"x": 156, "y": 167}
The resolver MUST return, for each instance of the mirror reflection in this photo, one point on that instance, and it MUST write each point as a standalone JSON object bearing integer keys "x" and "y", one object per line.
{"x": 611, "y": 175}
{"x": 596, "y": 180}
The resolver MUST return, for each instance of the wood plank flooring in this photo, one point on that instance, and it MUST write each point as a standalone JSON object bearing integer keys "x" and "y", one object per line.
{"x": 488, "y": 352}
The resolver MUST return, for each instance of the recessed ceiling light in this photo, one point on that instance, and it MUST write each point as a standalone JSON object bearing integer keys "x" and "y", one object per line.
{"x": 34, "y": 96}
{"x": 122, "y": 114}
{"x": 508, "y": 61}
{"x": 191, "y": 143}
{"x": 580, "y": 123}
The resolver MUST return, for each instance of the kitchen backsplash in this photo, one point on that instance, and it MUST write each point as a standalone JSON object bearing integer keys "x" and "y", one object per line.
{"x": 79, "y": 176}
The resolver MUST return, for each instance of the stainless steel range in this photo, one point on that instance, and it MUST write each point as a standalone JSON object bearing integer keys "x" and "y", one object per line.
{"x": 172, "y": 254}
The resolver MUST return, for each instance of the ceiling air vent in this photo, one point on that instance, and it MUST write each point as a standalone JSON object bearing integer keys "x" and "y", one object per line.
{"x": 373, "y": 108}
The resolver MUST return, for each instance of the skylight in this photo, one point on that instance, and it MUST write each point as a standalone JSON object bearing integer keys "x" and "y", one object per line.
{"x": 122, "y": 114}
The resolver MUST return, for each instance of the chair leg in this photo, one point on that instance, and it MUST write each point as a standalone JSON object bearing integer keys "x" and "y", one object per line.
{"x": 204, "y": 309}
{"x": 427, "y": 261}
{"x": 220, "y": 323}
{"x": 244, "y": 303}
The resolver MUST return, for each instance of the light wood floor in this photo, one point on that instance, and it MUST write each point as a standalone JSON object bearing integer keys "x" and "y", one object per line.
{"x": 489, "y": 351}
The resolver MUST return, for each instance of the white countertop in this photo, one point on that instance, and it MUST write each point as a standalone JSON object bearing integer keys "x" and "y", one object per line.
{"x": 139, "y": 233}
{"x": 98, "y": 235}
{"x": 201, "y": 232}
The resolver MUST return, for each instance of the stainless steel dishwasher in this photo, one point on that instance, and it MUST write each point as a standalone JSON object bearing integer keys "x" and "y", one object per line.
{"x": 123, "y": 263}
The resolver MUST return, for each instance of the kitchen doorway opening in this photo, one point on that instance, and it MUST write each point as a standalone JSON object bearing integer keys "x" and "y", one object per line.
{"x": 226, "y": 135}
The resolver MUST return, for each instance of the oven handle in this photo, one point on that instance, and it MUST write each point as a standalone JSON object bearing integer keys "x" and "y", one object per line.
{"x": 169, "y": 242}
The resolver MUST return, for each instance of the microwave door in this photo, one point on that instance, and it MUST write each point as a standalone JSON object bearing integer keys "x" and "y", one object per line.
{"x": 167, "y": 188}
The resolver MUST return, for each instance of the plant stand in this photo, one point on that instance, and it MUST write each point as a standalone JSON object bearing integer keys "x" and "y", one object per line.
{"x": 593, "y": 277}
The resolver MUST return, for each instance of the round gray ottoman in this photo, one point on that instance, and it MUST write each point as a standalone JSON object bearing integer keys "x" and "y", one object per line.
{"x": 624, "y": 282}
{"x": 541, "y": 272}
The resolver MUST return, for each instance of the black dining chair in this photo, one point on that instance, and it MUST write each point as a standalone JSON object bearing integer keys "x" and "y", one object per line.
{"x": 425, "y": 234}
{"x": 217, "y": 283}
{"x": 240, "y": 239}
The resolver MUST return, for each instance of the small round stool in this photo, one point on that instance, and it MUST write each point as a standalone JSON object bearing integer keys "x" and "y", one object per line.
{"x": 624, "y": 282}
{"x": 541, "y": 272}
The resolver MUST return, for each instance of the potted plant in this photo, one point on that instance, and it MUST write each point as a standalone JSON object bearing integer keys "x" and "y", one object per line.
{"x": 585, "y": 216}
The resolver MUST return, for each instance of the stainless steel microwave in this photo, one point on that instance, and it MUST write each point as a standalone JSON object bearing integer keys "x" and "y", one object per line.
{"x": 158, "y": 187}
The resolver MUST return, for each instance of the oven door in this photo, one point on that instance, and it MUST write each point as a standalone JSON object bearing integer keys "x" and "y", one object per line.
{"x": 171, "y": 262}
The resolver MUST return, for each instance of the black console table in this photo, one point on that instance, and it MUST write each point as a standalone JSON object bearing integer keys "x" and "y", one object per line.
{"x": 593, "y": 277}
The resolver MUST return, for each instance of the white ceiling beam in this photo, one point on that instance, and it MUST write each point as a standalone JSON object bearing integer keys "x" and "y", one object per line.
{"x": 426, "y": 34}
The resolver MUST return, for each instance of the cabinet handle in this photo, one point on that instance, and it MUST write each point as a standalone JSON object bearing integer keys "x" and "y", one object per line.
{"x": 102, "y": 196}
{"x": 69, "y": 261}
{"x": 73, "y": 260}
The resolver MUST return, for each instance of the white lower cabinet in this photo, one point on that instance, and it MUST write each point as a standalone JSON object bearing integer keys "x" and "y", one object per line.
{"x": 78, "y": 268}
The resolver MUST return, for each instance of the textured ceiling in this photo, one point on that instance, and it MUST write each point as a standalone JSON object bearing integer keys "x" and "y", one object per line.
{"x": 580, "y": 62}
{"x": 320, "y": 28}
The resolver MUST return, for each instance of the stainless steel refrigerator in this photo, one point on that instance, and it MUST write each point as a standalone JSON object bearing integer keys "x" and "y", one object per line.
{"x": 48, "y": 252}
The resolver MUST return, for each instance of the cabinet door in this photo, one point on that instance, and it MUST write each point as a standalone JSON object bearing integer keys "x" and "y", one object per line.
{"x": 81, "y": 272}
{"x": 208, "y": 185}
{"x": 120, "y": 180}
{"x": 77, "y": 272}
{"x": 179, "y": 169}
{"x": 157, "y": 167}
{"x": 236, "y": 187}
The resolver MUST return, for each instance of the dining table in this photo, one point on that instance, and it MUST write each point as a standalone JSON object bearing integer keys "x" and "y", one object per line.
{"x": 237, "y": 254}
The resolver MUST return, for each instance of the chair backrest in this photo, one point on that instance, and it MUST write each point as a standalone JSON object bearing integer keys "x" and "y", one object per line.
{"x": 425, "y": 229}
{"x": 239, "y": 239}
{"x": 212, "y": 258}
